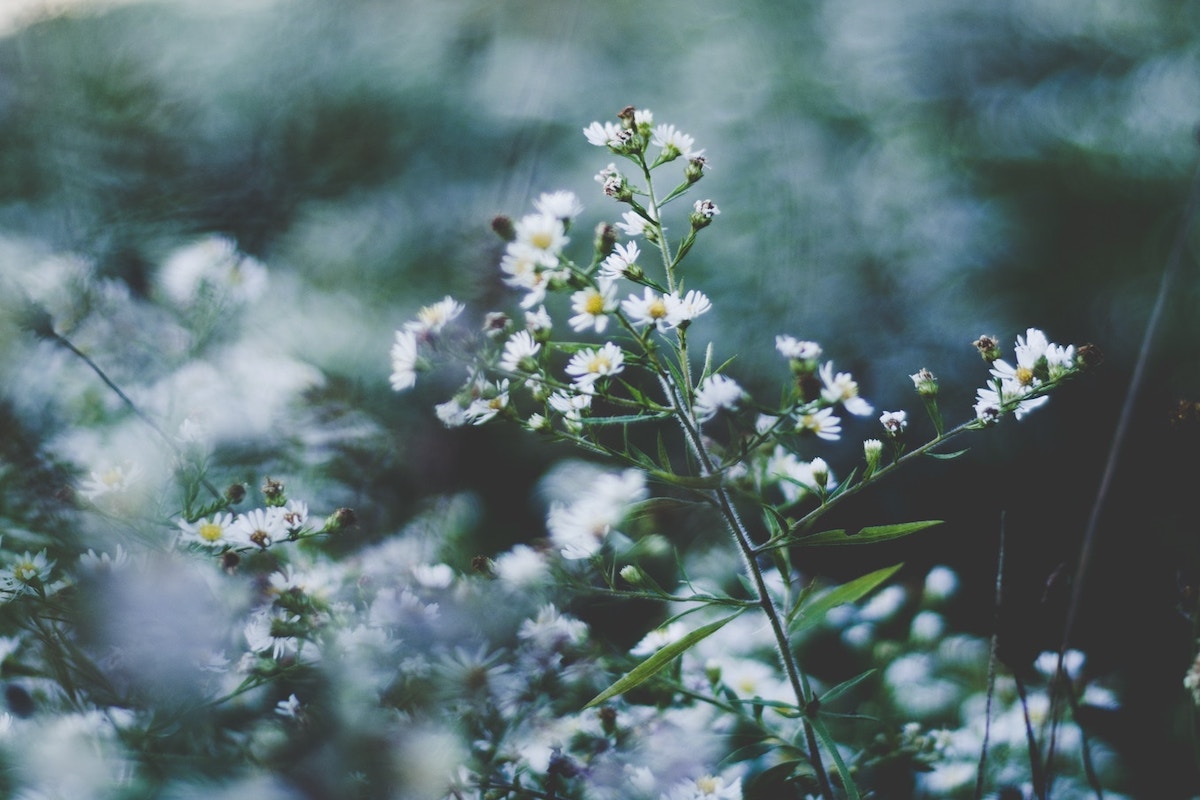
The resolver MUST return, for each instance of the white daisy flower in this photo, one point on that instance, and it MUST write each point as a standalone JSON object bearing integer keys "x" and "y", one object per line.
{"x": 842, "y": 388}
{"x": 791, "y": 347}
{"x": 714, "y": 393}
{"x": 520, "y": 353}
{"x": 592, "y": 306}
{"x": 588, "y": 366}
{"x": 404, "y": 360}
{"x": 432, "y": 319}
{"x": 823, "y": 423}
{"x": 563, "y": 205}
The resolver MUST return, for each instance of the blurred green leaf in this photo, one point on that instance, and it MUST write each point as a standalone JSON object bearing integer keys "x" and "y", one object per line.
{"x": 804, "y": 614}
{"x": 655, "y": 663}
{"x": 869, "y": 535}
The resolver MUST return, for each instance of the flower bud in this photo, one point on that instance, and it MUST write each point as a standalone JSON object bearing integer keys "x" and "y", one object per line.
{"x": 820, "y": 473}
{"x": 606, "y": 238}
{"x": 273, "y": 493}
{"x": 496, "y": 324}
{"x": 925, "y": 382}
{"x": 703, "y": 213}
{"x": 894, "y": 422}
{"x": 988, "y": 348}
{"x": 872, "y": 450}
{"x": 235, "y": 494}
{"x": 632, "y": 575}
{"x": 694, "y": 170}
{"x": 504, "y": 228}
{"x": 339, "y": 520}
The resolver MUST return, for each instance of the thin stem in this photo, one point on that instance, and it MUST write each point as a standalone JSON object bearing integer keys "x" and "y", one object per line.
{"x": 65, "y": 342}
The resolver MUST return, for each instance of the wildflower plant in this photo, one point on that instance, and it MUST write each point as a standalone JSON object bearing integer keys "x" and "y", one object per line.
{"x": 625, "y": 360}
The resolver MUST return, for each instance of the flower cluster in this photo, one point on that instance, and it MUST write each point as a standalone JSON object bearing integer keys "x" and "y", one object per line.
{"x": 1020, "y": 387}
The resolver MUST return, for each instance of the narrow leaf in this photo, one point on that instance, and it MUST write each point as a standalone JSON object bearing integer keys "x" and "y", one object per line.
{"x": 623, "y": 419}
{"x": 655, "y": 663}
{"x": 948, "y": 456}
{"x": 809, "y": 613}
{"x": 843, "y": 687}
{"x": 871, "y": 535}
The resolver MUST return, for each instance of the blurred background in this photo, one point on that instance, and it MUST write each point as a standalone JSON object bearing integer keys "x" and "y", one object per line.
{"x": 894, "y": 180}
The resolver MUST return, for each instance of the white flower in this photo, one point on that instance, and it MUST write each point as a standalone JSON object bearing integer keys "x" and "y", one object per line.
{"x": 289, "y": 708}
{"x": 604, "y": 134}
{"x": 649, "y": 309}
{"x": 894, "y": 422}
{"x": 791, "y": 347}
{"x": 659, "y": 638}
{"x": 619, "y": 260}
{"x": 579, "y": 529}
{"x": 522, "y": 566}
{"x": 212, "y": 266}
{"x": 552, "y": 630}
{"x": 714, "y": 393}
{"x": 264, "y": 632}
{"x": 113, "y": 479}
{"x": 796, "y": 478}
{"x": 404, "y": 360}
{"x": 823, "y": 423}
{"x": 520, "y": 353}
{"x": 25, "y": 572}
{"x": 538, "y": 320}
{"x": 433, "y": 318}
{"x": 592, "y": 306}
{"x": 213, "y": 531}
{"x": 493, "y": 400}
{"x": 544, "y": 234}
{"x": 708, "y": 787}
{"x": 259, "y": 527}
{"x": 588, "y": 366}
{"x": 571, "y": 406}
{"x": 705, "y": 209}
{"x": 451, "y": 413}
{"x": 433, "y": 576}
{"x": 686, "y": 308}
{"x": 295, "y": 515}
{"x": 841, "y": 388}
{"x": 632, "y": 223}
{"x": 563, "y": 205}
{"x": 989, "y": 402}
{"x": 674, "y": 142}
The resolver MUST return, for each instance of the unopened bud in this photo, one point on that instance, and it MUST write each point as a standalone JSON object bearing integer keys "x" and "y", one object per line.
{"x": 339, "y": 520}
{"x": 606, "y": 237}
{"x": 504, "y": 228}
{"x": 872, "y": 450}
{"x": 235, "y": 494}
{"x": 273, "y": 493}
{"x": 988, "y": 348}
{"x": 632, "y": 575}
{"x": 496, "y": 324}
{"x": 925, "y": 382}
{"x": 694, "y": 170}
{"x": 702, "y": 214}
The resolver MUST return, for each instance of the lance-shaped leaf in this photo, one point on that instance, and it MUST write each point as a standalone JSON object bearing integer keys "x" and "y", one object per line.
{"x": 871, "y": 535}
{"x": 655, "y": 663}
{"x": 808, "y": 613}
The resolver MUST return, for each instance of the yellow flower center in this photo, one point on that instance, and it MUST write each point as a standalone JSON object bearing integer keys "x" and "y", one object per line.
{"x": 708, "y": 784}
{"x": 541, "y": 240}
{"x": 1024, "y": 376}
{"x": 599, "y": 363}
{"x": 24, "y": 571}
{"x": 594, "y": 304}
{"x": 210, "y": 531}
{"x": 657, "y": 309}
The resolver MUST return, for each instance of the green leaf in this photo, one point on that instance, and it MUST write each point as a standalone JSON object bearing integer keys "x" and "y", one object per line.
{"x": 870, "y": 535}
{"x": 805, "y": 614}
{"x": 687, "y": 481}
{"x": 655, "y": 663}
{"x": 948, "y": 456}
{"x": 843, "y": 687}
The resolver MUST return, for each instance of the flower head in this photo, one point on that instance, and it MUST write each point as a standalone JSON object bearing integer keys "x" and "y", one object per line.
{"x": 842, "y": 388}
{"x": 432, "y": 319}
{"x": 821, "y": 422}
{"x": 213, "y": 531}
{"x": 620, "y": 261}
{"x": 894, "y": 422}
{"x": 589, "y": 365}
{"x": 592, "y": 306}
{"x": 520, "y": 353}
{"x": 544, "y": 235}
{"x": 404, "y": 360}
{"x": 562, "y": 205}
{"x": 714, "y": 393}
